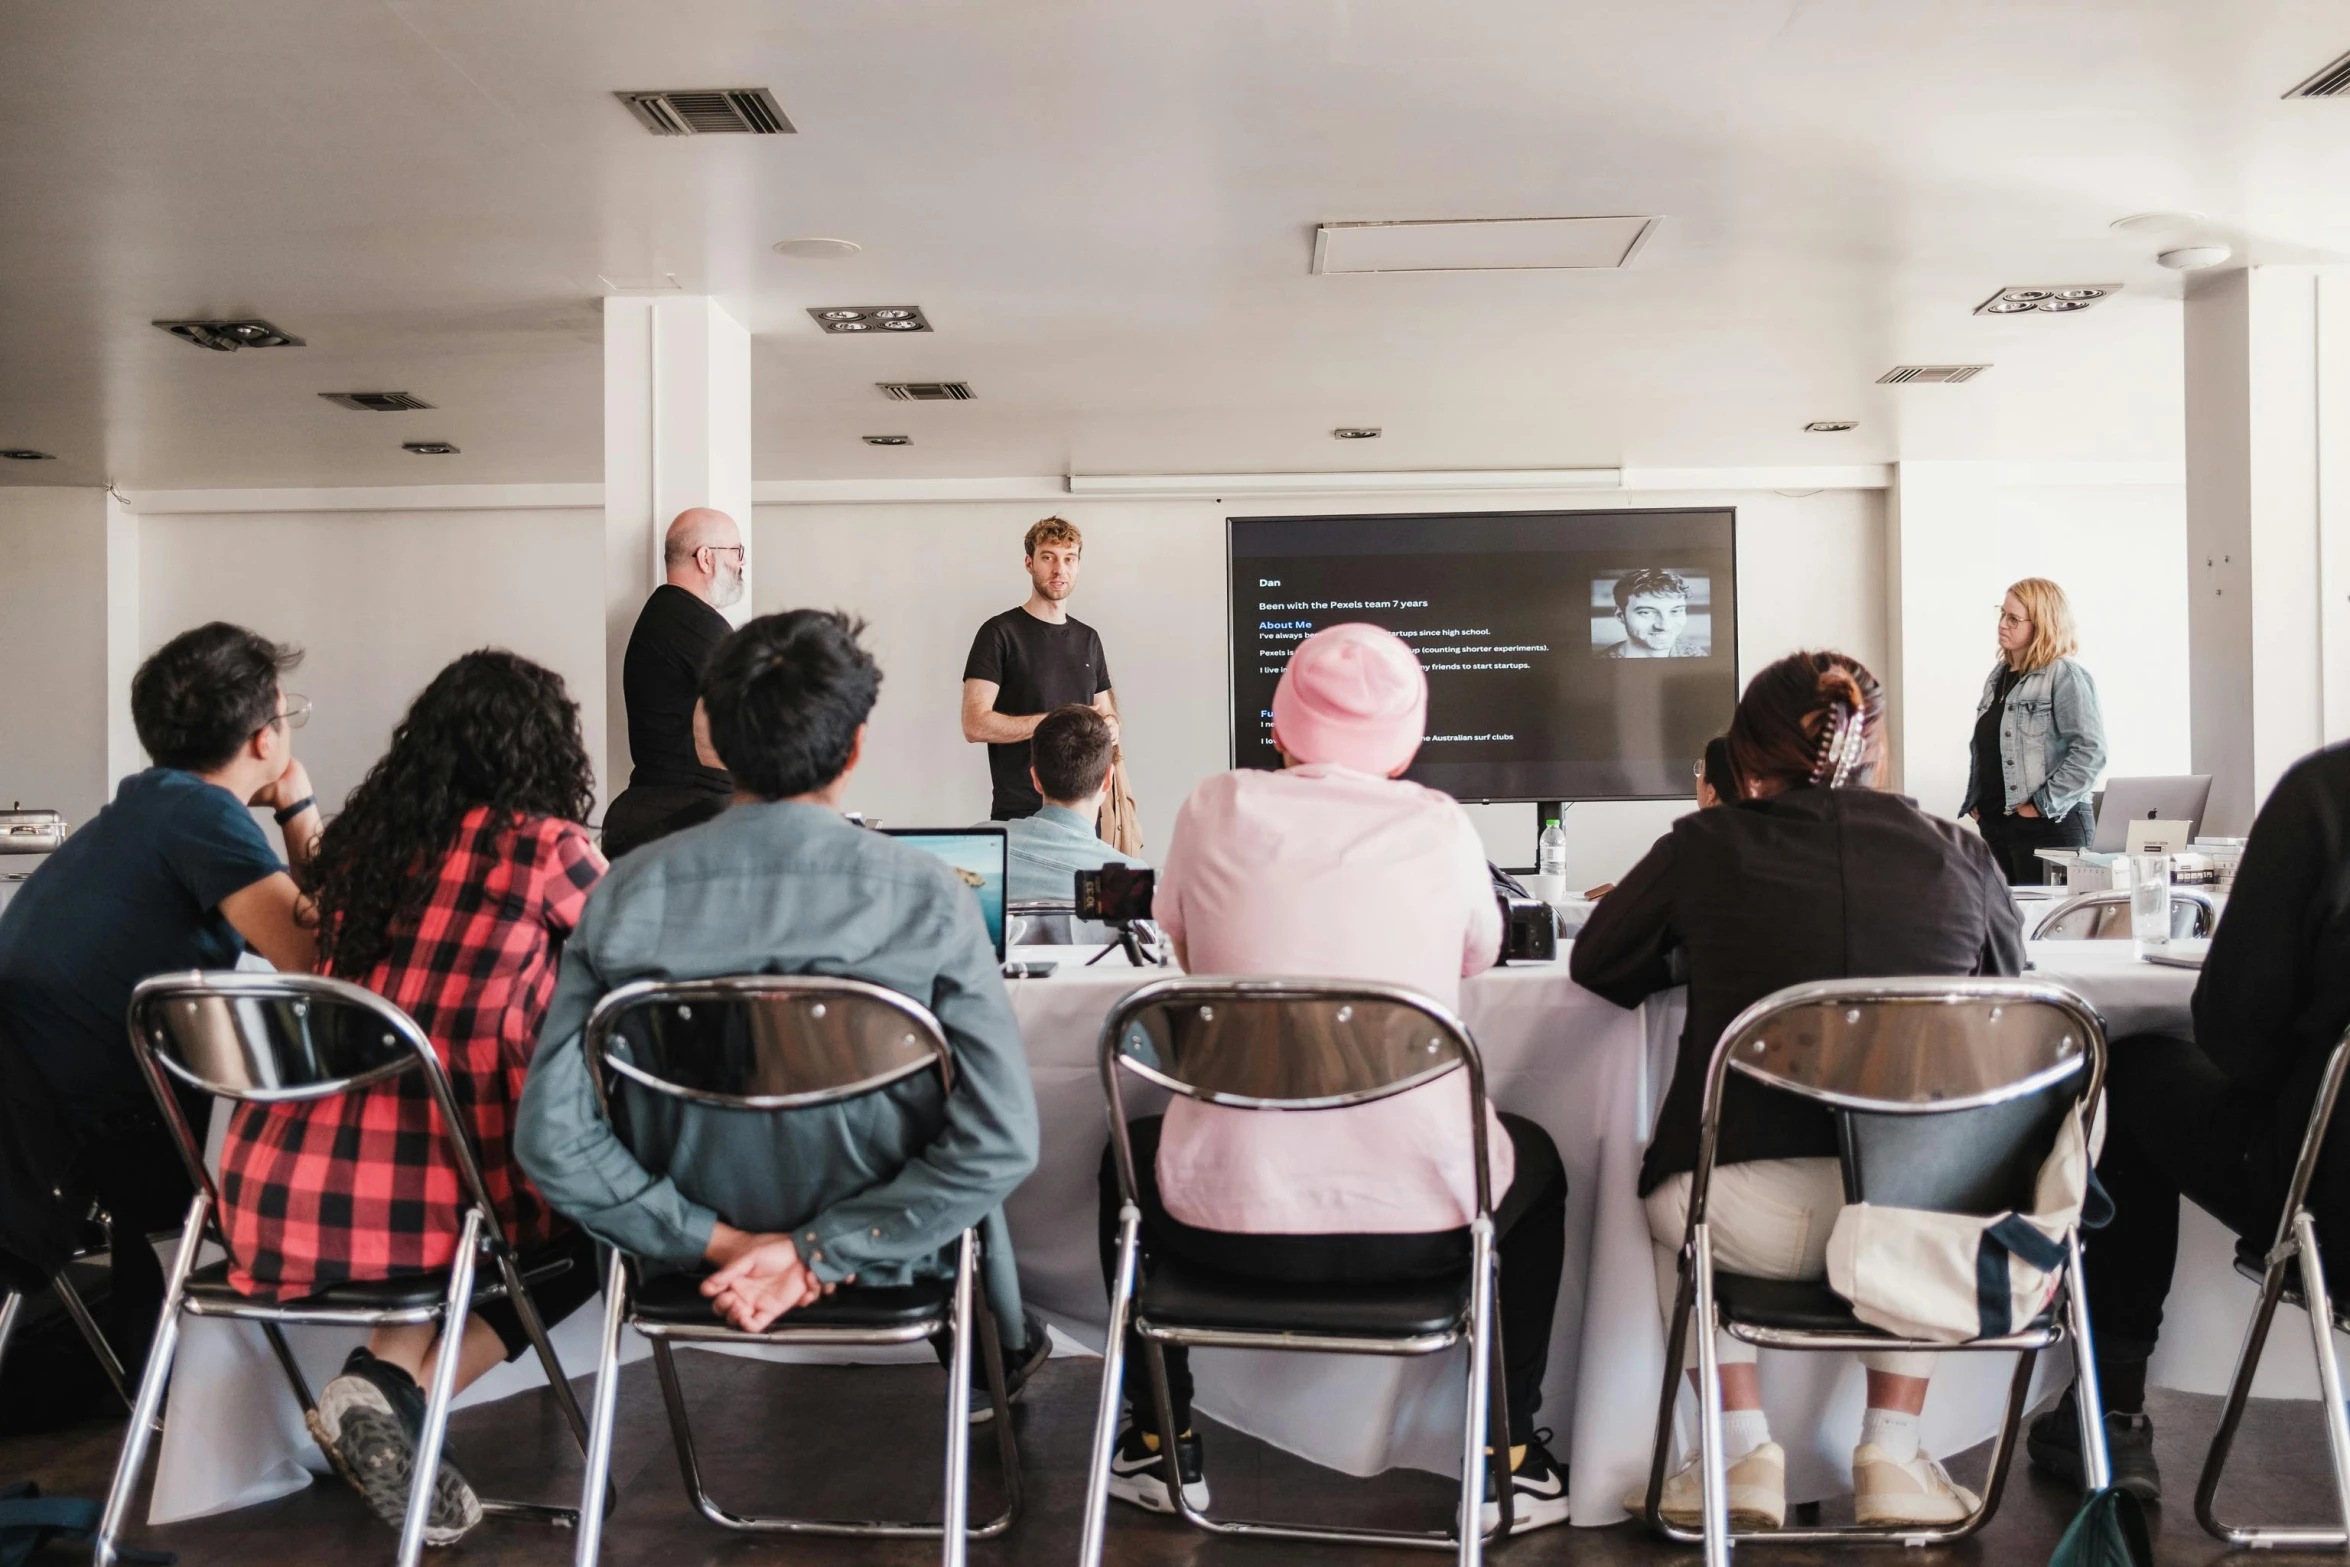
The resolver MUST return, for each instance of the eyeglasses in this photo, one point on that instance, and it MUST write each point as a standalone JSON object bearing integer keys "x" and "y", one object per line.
{"x": 296, "y": 713}
{"x": 740, "y": 554}
{"x": 2006, "y": 620}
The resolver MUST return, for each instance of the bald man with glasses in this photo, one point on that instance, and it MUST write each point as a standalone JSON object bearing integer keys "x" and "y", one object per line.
{"x": 672, "y": 785}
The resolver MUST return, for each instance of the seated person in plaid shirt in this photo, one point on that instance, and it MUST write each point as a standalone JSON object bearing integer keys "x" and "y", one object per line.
{"x": 446, "y": 885}
{"x": 782, "y": 883}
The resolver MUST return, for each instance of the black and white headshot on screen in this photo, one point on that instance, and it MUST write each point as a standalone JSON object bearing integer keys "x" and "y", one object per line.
{"x": 1652, "y": 612}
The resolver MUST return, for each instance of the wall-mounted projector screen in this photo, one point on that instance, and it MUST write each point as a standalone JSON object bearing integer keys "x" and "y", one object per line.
{"x": 1571, "y": 655}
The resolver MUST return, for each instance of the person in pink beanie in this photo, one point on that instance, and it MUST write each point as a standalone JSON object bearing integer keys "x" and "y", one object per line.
{"x": 1334, "y": 867}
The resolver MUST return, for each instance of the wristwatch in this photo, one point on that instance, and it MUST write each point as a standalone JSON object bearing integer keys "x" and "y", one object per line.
{"x": 288, "y": 813}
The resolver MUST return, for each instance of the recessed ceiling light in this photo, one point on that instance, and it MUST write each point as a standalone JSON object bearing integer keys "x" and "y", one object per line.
{"x": 858, "y": 318}
{"x": 1830, "y": 426}
{"x": 817, "y": 249}
{"x": 229, "y": 336}
{"x": 2157, "y": 222}
{"x": 26, "y": 454}
{"x": 377, "y": 402}
{"x": 889, "y": 440}
{"x": 2051, "y": 297}
{"x": 429, "y": 448}
{"x": 2190, "y": 258}
{"x": 1357, "y": 432}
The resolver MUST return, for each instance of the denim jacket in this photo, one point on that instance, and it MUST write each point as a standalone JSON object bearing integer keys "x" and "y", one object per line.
{"x": 2051, "y": 743}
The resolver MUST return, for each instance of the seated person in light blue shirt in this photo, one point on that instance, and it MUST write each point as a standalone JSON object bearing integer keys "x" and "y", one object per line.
{"x": 1069, "y": 761}
{"x": 874, "y": 1189}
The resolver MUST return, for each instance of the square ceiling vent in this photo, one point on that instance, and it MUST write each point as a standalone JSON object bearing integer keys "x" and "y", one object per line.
{"x": 1482, "y": 245}
{"x": 926, "y": 391}
{"x": 708, "y": 111}
{"x": 1930, "y": 375}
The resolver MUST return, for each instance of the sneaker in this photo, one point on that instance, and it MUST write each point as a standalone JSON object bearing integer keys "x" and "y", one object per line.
{"x": 1538, "y": 1490}
{"x": 1019, "y": 1366}
{"x": 2054, "y": 1446}
{"x": 1138, "y": 1472}
{"x": 368, "y": 1422}
{"x": 1757, "y": 1500}
{"x": 1889, "y": 1490}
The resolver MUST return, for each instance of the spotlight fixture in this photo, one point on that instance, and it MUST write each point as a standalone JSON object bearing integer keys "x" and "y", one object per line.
{"x": 1356, "y": 432}
{"x": 2051, "y": 298}
{"x": 864, "y": 318}
{"x": 1831, "y": 426}
{"x": 26, "y": 454}
{"x": 889, "y": 440}
{"x": 816, "y": 249}
{"x": 429, "y": 448}
{"x": 229, "y": 336}
{"x": 376, "y": 402}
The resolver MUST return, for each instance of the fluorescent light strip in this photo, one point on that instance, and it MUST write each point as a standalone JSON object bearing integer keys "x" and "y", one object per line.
{"x": 1344, "y": 483}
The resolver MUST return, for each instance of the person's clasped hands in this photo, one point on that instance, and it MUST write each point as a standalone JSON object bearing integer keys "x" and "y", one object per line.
{"x": 759, "y": 1278}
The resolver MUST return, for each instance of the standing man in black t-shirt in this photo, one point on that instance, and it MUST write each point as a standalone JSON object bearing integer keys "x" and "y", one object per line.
{"x": 660, "y": 679}
{"x": 1027, "y": 661}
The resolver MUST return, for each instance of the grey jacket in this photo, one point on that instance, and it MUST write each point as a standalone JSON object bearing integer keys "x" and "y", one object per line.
{"x": 876, "y": 1186}
{"x": 2051, "y": 742}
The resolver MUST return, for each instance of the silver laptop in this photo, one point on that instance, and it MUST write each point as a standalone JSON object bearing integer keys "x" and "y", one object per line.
{"x": 2127, "y": 800}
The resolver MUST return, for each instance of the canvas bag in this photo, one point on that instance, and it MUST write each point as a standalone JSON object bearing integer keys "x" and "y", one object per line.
{"x": 1121, "y": 825}
{"x": 1957, "y": 1276}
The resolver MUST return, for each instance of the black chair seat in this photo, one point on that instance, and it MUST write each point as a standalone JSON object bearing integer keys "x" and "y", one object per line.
{"x": 676, "y": 1300}
{"x": 404, "y": 1293}
{"x": 1179, "y": 1294}
{"x": 2252, "y": 1263}
{"x": 1800, "y": 1306}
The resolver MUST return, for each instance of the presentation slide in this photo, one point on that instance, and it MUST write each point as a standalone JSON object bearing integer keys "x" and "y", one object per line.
{"x": 1570, "y": 655}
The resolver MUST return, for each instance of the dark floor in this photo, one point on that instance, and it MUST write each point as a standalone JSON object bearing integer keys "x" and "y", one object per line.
{"x": 868, "y": 1437}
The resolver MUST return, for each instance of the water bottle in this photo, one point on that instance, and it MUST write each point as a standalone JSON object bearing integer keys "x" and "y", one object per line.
{"x": 1550, "y": 854}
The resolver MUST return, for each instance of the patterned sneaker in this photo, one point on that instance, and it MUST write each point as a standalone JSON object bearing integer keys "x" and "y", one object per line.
{"x": 1538, "y": 1490}
{"x": 1138, "y": 1473}
{"x": 368, "y": 1422}
{"x": 1757, "y": 1499}
{"x": 1889, "y": 1490}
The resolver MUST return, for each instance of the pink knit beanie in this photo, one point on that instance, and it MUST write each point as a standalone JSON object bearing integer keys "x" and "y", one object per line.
{"x": 1353, "y": 695}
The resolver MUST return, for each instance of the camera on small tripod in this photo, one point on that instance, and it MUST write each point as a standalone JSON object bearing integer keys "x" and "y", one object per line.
{"x": 1119, "y": 896}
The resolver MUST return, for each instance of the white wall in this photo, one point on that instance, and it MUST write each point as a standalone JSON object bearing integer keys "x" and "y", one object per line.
{"x": 379, "y": 601}
{"x": 53, "y": 621}
{"x": 1811, "y": 575}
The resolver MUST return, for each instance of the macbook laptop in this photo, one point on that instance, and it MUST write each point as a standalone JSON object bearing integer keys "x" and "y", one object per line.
{"x": 2178, "y": 799}
{"x": 980, "y": 855}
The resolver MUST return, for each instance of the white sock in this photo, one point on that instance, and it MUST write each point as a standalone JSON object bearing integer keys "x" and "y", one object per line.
{"x": 1891, "y": 1430}
{"x": 1743, "y": 1430}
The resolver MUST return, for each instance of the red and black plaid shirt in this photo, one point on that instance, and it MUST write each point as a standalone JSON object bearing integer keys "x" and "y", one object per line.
{"x": 361, "y": 1186}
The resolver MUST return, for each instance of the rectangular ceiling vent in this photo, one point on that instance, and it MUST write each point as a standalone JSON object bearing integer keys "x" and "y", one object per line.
{"x": 1921, "y": 375}
{"x": 2332, "y": 82}
{"x": 708, "y": 111}
{"x": 926, "y": 391}
{"x": 376, "y": 402}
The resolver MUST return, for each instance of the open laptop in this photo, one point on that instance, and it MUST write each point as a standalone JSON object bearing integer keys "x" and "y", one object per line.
{"x": 2127, "y": 800}
{"x": 980, "y": 855}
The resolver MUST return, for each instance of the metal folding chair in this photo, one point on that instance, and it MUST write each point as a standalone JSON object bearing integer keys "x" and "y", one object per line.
{"x": 69, "y": 1296}
{"x": 1947, "y": 1094}
{"x": 283, "y": 1039}
{"x": 774, "y": 1044}
{"x": 1295, "y": 1045}
{"x": 1043, "y": 922}
{"x": 2290, "y": 1270}
{"x": 2105, "y": 916}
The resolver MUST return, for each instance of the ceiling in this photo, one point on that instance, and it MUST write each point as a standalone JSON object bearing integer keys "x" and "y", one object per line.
{"x": 1107, "y": 210}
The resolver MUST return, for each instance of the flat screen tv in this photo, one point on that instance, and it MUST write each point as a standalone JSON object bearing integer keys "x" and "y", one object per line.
{"x": 1571, "y": 655}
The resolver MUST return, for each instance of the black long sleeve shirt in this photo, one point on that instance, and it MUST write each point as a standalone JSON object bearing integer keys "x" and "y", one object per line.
{"x": 1760, "y": 894}
{"x": 660, "y": 678}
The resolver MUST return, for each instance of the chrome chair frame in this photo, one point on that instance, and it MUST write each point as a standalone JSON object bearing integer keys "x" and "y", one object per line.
{"x": 2198, "y": 898}
{"x": 1696, "y": 1294}
{"x": 1486, "y": 1414}
{"x": 1027, "y": 909}
{"x": 2295, "y": 1252}
{"x": 235, "y": 996}
{"x": 968, "y": 1317}
{"x": 78, "y": 1310}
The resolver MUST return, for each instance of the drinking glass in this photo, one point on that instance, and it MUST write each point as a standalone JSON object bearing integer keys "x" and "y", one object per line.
{"x": 2150, "y": 899}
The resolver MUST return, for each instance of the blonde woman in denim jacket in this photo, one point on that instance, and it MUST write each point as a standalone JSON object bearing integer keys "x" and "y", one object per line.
{"x": 2039, "y": 741}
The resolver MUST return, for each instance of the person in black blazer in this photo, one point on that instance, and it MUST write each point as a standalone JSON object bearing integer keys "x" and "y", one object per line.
{"x": 1810, "y": 873}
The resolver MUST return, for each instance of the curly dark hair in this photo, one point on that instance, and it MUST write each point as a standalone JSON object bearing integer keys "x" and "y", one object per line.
{"x": 492, "y": 729}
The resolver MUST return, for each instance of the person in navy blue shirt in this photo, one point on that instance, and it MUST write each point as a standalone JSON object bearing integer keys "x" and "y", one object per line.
{"x": 174, "y": 874}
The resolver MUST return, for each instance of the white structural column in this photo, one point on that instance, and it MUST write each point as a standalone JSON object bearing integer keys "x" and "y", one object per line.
{"x": 2268, "y": 525}
{"x": 1941, "y": 595}
{"x": 677, "y": 433}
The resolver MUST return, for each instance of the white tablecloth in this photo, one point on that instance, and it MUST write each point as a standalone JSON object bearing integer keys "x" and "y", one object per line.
{"x": 1590, "y": 1073}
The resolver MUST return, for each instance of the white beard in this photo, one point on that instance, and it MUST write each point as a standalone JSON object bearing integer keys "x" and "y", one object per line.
{"x": 727, "y": 591}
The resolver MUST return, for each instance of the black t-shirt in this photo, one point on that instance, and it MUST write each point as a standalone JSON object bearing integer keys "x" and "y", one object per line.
{"x": 1990, "y": 771}
{"x": 675, "y": 635}
{"x": 1038, "y": 666}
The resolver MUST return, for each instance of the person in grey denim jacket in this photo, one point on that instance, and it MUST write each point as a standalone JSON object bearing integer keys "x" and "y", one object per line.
{"x": 2038, "y": 732}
